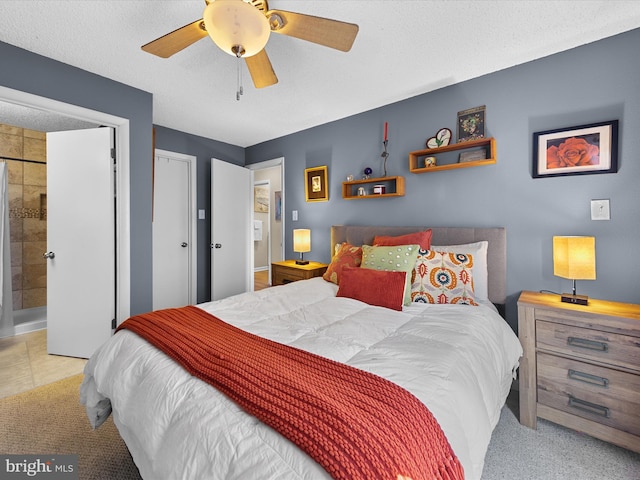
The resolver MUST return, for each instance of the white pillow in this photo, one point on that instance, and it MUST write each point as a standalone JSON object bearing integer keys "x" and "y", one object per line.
{"x": 480, "y": 273}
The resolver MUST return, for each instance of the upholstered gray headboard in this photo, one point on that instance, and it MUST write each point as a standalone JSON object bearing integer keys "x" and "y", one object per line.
{"x": 496, "y": 253}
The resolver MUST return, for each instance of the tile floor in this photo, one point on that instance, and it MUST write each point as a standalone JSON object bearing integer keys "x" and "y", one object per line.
{"x": 25, "y": 363}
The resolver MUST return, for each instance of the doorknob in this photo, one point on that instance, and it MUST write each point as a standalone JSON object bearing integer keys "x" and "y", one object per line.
{"x": 217, "y": 245}
{"x": 49, "y": 255}
{"x": 184, "y": 244}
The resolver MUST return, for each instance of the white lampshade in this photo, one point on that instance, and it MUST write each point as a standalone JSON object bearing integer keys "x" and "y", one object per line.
{"x": 233, "y": 23}
{"x": 574, "y": 257}
{"x": 302, "y": 240}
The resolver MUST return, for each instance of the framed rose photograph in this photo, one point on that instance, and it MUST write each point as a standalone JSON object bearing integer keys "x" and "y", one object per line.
{"x": 586, "y": 149}
{"x": 315, "y": 184}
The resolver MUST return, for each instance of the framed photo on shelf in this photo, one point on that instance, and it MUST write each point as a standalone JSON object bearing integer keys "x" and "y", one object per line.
{"x": 316, "y": 188}
{"x": 581, "y": 150}
{"x": 471, "y": 124}
{"x": 472, "y": 156}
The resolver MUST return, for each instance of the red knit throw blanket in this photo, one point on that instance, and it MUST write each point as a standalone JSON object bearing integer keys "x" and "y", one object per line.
{"x": 357, "y": 425}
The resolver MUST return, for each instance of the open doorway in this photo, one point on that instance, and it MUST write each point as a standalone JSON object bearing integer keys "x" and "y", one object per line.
{"x": 79, "y": 117}
{"x": 39, "y": 114}
{"x": 23, "y": 150}
{"x": 268, "y": 228}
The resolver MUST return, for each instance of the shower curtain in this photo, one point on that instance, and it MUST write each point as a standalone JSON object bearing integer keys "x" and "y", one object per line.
{"x": 6, "y": 300}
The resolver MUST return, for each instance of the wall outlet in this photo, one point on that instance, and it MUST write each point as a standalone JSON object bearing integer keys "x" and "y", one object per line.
{"x": 294, "y": 215}
{"x": 600, "y": 210}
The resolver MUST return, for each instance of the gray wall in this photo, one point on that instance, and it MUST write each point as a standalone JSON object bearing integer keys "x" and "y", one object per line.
{"x": 592, "y": 83}
{"x": 38, "y": 75}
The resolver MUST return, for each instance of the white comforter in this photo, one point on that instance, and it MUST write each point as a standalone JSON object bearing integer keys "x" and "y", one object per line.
{"x": 459, "y": 360}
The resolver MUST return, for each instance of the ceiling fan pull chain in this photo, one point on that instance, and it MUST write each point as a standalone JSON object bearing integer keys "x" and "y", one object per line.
{"x": 240, "y": 90}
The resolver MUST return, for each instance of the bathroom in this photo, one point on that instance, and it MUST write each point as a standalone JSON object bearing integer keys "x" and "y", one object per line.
{"x": 23, "y": 151}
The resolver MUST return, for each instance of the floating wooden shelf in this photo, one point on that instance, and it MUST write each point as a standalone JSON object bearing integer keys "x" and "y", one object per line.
{"x": 394, "y": 188}
{"x": 488, "y": 144}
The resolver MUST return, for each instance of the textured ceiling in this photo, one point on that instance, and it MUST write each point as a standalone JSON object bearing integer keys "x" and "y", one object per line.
{"x": 404, "y": 48}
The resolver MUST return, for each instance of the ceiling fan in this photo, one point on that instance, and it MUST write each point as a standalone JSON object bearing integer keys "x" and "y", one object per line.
{"x": 242, "y": 27}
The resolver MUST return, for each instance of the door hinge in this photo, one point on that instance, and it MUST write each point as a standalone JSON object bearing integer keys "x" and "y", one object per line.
{"x": 113, "y": 324}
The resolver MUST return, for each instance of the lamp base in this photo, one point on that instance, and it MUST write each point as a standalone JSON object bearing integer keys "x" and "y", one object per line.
{"x": 302, "y": 262}
{"x": 575, "y": 299}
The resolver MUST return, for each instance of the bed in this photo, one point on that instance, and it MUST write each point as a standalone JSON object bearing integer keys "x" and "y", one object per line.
{"x": 457, "y": 359}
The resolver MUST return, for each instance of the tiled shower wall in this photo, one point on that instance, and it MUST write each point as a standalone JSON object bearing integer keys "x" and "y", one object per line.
{"x": 27, "y": 214}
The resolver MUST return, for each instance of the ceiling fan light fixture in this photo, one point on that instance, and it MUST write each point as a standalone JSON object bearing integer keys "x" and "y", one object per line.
{"x": 234, "y": 24}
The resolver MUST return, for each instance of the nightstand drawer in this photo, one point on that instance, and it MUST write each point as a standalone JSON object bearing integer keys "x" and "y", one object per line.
{"x": 590, "y": 344}
{"x": 290, "y": 275}
{"x": 289, "y": 271}
{"x": 608, "y": 396}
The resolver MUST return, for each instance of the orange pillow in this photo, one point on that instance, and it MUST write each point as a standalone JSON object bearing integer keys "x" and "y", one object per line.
{"x": 347, "y": 255}
{"x": 375, "y": 287}
{"x": 422, "y": 238}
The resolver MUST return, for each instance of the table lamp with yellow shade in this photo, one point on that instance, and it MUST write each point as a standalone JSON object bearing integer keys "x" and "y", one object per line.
{"x": 574, "y": 258}
{"x": 302, "y": 243}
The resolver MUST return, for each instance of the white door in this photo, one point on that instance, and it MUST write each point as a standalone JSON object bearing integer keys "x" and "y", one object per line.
{"x": 80, "y": 241}
{"x": 231, "y": 229}
{"x": 174, "y": 283}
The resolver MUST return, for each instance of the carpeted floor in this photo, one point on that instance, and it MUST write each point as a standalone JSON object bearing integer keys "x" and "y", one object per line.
{"x": 50, "y": 420}
{"x": 552, "y": 452}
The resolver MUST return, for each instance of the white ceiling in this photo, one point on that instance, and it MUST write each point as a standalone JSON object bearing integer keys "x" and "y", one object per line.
{"x": 404, "y": 48}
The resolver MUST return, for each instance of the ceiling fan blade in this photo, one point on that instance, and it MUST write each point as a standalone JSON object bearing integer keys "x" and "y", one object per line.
{"x": 323, "y": 31}
{"x": 177, "y": 40}
{"x": 261, "y": 70}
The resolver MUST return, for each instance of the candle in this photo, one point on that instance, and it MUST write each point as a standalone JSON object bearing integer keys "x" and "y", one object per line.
{"x": 386, "y": 130}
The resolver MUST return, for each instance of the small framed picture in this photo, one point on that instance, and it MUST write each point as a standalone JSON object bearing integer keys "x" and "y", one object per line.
{"x": 473, "y": 155}
{"x": 316, "y": 188}
{"x": 260, "y": 199}
{"x": 471, "y": 124}
{"x": 278, "y": 205}
{"x": 585, "y": 149}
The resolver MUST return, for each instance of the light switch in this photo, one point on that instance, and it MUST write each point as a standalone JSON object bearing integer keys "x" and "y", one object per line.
{"x": 294, "y": 215}
{"x": 600, "y": 210}
{"x": 201, "y": 214}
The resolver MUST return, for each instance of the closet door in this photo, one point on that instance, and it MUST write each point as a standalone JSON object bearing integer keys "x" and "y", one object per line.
{"x": 231, "y": 229}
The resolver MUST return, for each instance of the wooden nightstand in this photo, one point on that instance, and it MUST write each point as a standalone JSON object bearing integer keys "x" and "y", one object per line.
{"x": 581, "y": 366}
{"x": 288, "y": 271}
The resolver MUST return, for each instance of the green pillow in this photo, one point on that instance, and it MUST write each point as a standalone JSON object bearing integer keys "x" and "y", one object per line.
{"x": 401, "y": 258}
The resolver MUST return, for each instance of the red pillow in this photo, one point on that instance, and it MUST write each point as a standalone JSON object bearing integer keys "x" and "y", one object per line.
{"x": 375, "y": 287}
{"x": 422, "y": 238}
{"x": 348, "y": 255}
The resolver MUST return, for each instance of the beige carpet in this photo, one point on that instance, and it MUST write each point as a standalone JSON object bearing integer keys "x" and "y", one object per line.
{"x": 50, "y": 420}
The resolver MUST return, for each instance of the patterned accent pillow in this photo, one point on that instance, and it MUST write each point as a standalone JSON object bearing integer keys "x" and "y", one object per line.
{"x": 422, "y": 238}
{"x": 384, "y": 289}
{"x": 346, "y": 255}
{"x": 401, "y": 258}
{"x": 480, "y": 274}
{"x": 443, "y": 277}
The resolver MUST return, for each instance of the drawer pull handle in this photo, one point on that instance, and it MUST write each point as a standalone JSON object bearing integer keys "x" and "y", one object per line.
{"x": 588, "y": 378}
{"x": 589, "y": 407}
{"x": 588, "y": 344}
